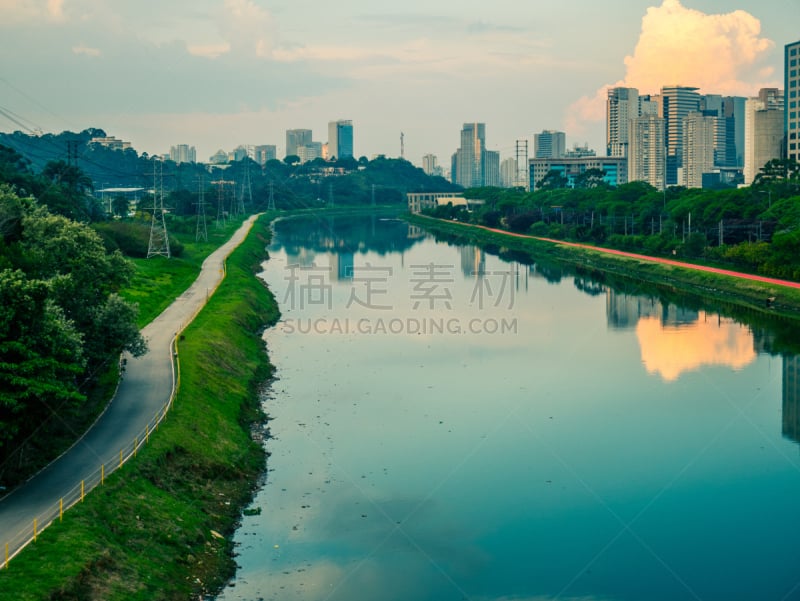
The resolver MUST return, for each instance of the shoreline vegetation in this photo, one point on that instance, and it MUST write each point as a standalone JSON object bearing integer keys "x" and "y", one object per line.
{"x": 749, "y": 294}
{"x": 160, "y": 527}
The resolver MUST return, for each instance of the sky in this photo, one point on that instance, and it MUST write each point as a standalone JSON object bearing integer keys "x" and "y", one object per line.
{"x": 215, "y": 74}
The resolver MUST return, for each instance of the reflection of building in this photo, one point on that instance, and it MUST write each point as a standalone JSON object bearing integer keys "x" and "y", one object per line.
{"x": 342, "y": 265}
{"x": 473, "y": 261}
{"x": 625, "y": 310}
{"x": 791, "y": 397}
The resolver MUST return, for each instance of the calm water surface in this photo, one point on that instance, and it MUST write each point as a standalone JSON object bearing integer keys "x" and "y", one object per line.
{"x": 453, "y": 425}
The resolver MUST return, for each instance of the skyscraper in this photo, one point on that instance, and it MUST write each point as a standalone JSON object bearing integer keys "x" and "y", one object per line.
{"x": 469, "y": 158}
{"x": 791, "y": 128}
{"x": 340, "y": 139}
{"x": 622, "y": 105}
{"x": 676, "y": 103}
{"x": 549, "y": 144}
{"x": 699, "y": 137}
{"x": 764, "y": 124}
{"x": 646, "y": 150}
{"x": 183, "y": 153}
{"x": 295, "y": 138}
{"x": 429, "y": 165}
{"x": 491, "y": 168}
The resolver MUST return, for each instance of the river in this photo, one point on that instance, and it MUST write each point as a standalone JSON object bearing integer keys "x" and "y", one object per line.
{"x": 458, "y": 423}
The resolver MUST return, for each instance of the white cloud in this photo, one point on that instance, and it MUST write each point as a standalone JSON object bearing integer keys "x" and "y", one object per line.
{"x": 718, "y": 53}
{"x": 86, "y": 50}
{"x": 209, "y": 50}
{"x": 248, "y": 28}
{"x": 15, "y": 12}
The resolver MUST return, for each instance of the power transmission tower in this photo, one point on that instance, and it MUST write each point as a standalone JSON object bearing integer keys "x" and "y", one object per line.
{"x": 159, "y": 240}
{"x": 271, "y": 203}
{"x": 201, "y": 232}
{"x": 246, "y": 192}
{"x": 402, "y": 146}
{"x": 220, "y": 184}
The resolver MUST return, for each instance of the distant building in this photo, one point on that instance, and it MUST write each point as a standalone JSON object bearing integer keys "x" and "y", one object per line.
{"x": 508, "y": 173}
{"x": 615, "y": 168}
{"x": 676, "y": 104}
{"x": 295, "y": 138}
{"x": 309, "y": 152}
{"x": 491, "y": 168}
{"x": 340, "y": 139}
{"x": 429, "y": 165}
{"x": 549, "y": 144}
{"x": 183, "y": 153}
{"x": 418, "y": 201}
{"x": 621, "y": 106}
{"x": 764, "y": 129}
{"x": 468, "y": 163}
{"x": 111, "y": 142}
{"x": 699, "y": 137}
{"x": 579, "y": 152}
{"x": 219, "y": 158}
{"x": 646, "y": 150}
{"x": 239, "y": 153}
{"x": 264, "y": 153}
{"x": 791, "y": 68}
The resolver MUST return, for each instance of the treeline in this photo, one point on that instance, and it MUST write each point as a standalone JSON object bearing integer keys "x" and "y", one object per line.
{"x": 287, "y": 183}
{"x": 62, "y": 323}
{"x": 754, "y": 228}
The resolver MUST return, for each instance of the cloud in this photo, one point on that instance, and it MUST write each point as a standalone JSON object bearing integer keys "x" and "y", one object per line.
{"x": 248, "y": 28}
{"x": 718, "y": 53}
{"x": 16, "y": 12}
{"x": 86, "y": 50}
{"x": 209, "y": 50}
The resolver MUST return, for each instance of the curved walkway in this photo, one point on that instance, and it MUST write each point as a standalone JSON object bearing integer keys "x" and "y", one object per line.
{"x": 622, "y": 253}
{"x": 143, "y": 396}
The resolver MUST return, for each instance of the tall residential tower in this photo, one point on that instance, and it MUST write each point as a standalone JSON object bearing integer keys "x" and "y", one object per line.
{"x": 791, "y": 126}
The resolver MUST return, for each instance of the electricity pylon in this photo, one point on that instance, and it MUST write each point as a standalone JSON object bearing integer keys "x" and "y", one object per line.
{"x": 159, "y": 240}
{"x": 201, "y": 231}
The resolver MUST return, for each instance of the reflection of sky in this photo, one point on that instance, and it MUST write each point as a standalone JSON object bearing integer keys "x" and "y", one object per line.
{"x": 670, "y": 351}
{"x": 538, "y": 465}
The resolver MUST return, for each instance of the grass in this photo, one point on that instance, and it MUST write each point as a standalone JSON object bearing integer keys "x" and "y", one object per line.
{"x": 744, "y": 293}
{"x": 158, "y": 281}
{"x": 150, "y": 533}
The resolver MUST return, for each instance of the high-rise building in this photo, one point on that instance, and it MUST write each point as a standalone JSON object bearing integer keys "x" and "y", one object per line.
{"x": 764, "y": 131}
{"x": 647, "y": 150}
{"x": 469, "y": 158}
{"x": 429, "y": 165}
{"x": 264, "y": 153}
{"x": 791, "y": 128}
{"x": 621, "y": 106}
{"x": 676, "y": 103}
{"x": 491, "y": 168}
{"x": 183, "y": 153}
{"x": 699, "y": 142}
{"x": 309, "y": 152}
{"x": 508, "y": 173}
{"x": 340, "y": 139}
{"x": 733, "y": 113}
{"x": 615, "y": 169}
{"x": 549, "y": 144}
{"x": 295, "y": 138}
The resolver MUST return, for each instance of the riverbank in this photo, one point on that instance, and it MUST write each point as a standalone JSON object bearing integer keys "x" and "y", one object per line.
{"x": 746, "y": 293}
{"x": 158, "y": 528}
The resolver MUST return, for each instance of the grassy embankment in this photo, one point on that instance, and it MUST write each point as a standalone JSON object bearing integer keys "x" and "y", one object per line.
{"x": 156, "y": 529}
{"x": 744, "y": 293}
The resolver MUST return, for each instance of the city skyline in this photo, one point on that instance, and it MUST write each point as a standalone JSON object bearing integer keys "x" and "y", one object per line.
{"x": 220, "y": 74}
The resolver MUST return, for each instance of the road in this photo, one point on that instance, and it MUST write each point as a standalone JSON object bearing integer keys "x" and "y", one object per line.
{"x": 622, "y": 253}
{"x": 144, "y": 391}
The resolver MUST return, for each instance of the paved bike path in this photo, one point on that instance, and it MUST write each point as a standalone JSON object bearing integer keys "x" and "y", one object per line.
{"x": 144, "y": 390}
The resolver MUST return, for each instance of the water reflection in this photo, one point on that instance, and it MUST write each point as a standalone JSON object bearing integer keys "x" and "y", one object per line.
{"x": 583, "y": 458}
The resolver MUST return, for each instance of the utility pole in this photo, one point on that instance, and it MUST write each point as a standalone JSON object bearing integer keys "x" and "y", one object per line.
{"x": 402, "y": 146}
{"x": 159, "y": 240}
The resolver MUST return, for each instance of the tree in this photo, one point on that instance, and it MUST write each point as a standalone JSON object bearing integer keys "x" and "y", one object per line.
{"x": 120, "y": 205}
{"x": 291, "y": 159}
{"x": 553, "y": 180}
{"x": 591, "y": 178}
